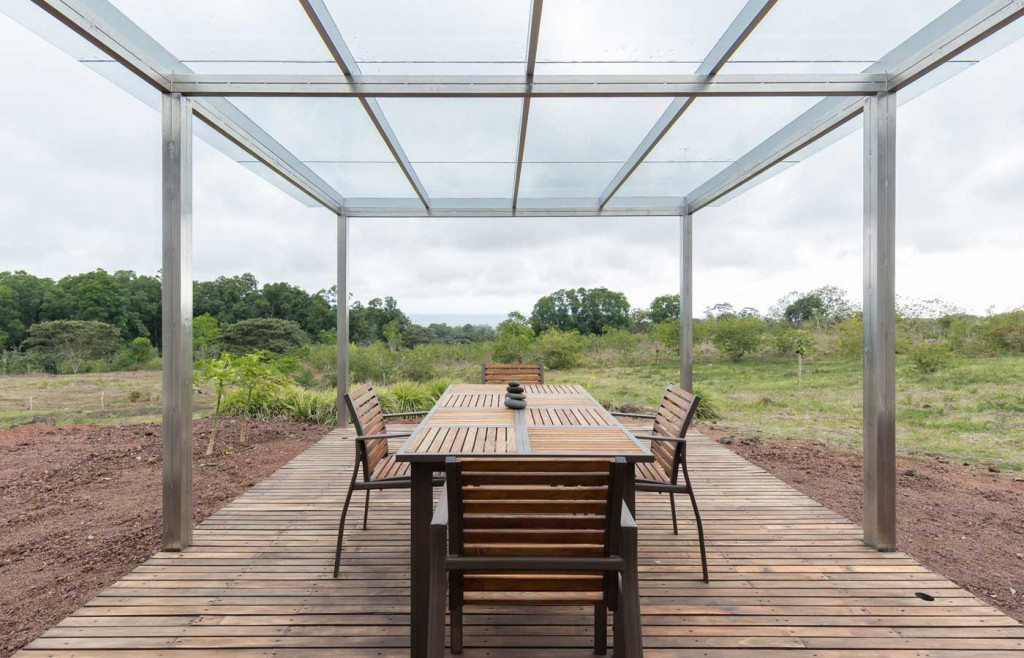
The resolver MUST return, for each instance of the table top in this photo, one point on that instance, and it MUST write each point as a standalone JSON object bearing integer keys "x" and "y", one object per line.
{"x": 560, "y": 420}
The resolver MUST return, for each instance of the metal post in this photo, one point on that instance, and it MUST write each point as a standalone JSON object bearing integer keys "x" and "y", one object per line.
{"x": 342, "y": 319}
{"x": 880, "y": 322}
{"x": 686, "y": 301}
{"x": 177, "y": 322}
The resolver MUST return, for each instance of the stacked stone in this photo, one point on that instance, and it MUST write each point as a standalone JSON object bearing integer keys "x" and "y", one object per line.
{"x": 515, "y": 396}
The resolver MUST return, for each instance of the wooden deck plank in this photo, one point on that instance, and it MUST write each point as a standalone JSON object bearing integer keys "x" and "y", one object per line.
{"x": 789, "y": 579}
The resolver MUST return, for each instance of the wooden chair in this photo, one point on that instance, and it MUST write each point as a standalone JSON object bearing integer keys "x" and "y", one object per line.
{"x": 535, "y": 532}
{"x": 668, "y": 444}
{"x": 380, "y": 470}
{"x": 500, "y": 373}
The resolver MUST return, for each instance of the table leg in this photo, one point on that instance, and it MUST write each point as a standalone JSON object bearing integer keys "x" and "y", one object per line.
{"x": 421, "y": 503}
{"x": 629, "y": 491}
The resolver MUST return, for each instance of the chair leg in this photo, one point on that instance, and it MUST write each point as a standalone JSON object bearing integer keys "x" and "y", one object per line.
{"x": 600, "y": 629}
{"x": 438, "y": 587}
{"x": 366, "y": 508}
{"x": 672, "y": 503}
{"x": 700, "y": 536}
{"x": 456, "y": 629}
{"x": 629, "y": 604}
{"x": 341, "y": 522}
{"x": 618, "y": 625}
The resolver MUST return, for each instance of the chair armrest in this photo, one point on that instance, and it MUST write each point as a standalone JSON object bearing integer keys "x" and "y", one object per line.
{"x": 626, "y": 415}
{"x": 653, "y": 437}
{"x": 389, "y": 435}
{"x": 440, "y": 519}
{"x": 405, "y": 414}
{"x": 627, "y": 519}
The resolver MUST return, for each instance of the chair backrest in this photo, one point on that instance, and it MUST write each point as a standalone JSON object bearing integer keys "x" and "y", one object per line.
{"x": 534, "y": 508}
{"x": 524, "y": 373}
{"x": 368, "y": 417}
{"x": 672, "y": 420}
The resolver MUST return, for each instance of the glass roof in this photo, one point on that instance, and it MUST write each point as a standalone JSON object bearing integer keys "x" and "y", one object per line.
{"x": 464, "y": 152}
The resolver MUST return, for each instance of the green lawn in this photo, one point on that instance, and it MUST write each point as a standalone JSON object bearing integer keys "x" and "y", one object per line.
{"x": 972, "y": 412}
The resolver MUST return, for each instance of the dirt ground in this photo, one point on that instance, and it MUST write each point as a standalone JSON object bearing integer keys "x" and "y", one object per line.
{"x": 965, "y": 523}
{"x": 80, "y": 506}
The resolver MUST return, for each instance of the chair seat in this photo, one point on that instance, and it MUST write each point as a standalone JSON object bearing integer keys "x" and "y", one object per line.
{"x": 548, "y": 588}
{"x": 388, "y": 469}
{"x": 651, "y": 471}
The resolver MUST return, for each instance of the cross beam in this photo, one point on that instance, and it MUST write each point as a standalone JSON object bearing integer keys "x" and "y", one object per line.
{"x": 963, "y": 26}
{"x": 531, "y": 64}
{"x": 328, "y": 30}
{"x": 741, "y": 27}
{"x": 106, "y": 28}
{"x": 524, "y": 86}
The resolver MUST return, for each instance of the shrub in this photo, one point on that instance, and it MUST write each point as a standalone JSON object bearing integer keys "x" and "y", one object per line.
{"x": 737, "y": 336}
{"x": 850, "y": 343}
{"x": 560, "y": 349}
{"x": 707, "y": 410}
{"x": 372, "y": 363}
{"x": 136, "y": 356}
{"x": 930, "y": 357}
{"x": 419, "y": 364}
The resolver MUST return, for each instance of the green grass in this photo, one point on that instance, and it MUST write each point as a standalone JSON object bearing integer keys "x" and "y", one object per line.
{"x": 972, "y": 412}
{"x": 98, "y": 398}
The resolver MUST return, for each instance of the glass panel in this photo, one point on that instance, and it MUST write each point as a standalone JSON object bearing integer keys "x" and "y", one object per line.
{"x": 642, "y": 36}
{"x": 457, "y": 36}
{"x": 843, "y": 33}
{"x": 365, "y": 179}
{"x": 466, "y": 180}
{"x": 566, "y": 179}
{"x": 319, "y": 129}
{"x": 589, "y": 129}
{"x": 668, "y": 178}
{"x": 211, "y": 36}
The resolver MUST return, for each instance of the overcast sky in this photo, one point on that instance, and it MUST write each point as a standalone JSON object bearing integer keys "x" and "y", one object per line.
{"x": 80, "y": 189}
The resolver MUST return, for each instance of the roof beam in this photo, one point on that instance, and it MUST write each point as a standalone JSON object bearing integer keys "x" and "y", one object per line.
{"x": 531, "y": 65}
{"x": 331, "y": 35}
{"x": 963, "y": 26}
{"x": 519, "y": 86}
{"x": 106, "y": 28}
{"x": 740, "y": 28}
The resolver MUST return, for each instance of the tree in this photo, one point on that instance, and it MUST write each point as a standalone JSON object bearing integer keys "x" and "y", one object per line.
{"x": 809, "y": 308}
{"x": 737, "y": 336}
{"x": 666, "y": 334}
{"x": 221, "y": 374}
{"x": 205, "y": 336}
{"x": 366, "y": 323}
{"x": 230, "y": 299}
{"x": 664, "y": 308}
{"x": 559, "y": 349}
{"x": 138, "y": 353}
{"x": 514, "y": 338}
{"x": 68, "y": 343}
{"x": 312, "y": 312}
{"x": 588, "y": 311}
{"x": 721, "y": 310}
{"x": 22, "y": 306}
{"x": 252, "y": 373}
{"x": 271, "y": 334}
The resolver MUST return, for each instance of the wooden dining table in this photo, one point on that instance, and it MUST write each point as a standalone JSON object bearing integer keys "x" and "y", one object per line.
{"x": 560, "y": 420}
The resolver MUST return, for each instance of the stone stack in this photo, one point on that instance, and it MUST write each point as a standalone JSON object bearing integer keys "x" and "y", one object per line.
{"x": 515, "y": 396}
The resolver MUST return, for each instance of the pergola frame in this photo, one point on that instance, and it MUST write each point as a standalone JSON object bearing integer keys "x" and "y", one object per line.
{"x": 873, "y": 92}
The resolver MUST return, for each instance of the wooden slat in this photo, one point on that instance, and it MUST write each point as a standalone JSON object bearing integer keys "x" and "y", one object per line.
{"x": 789, "y": 579}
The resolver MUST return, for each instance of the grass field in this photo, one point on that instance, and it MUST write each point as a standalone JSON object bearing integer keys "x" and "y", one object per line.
{"x": 111, "y": 397}
{"x": 972, "y": 412}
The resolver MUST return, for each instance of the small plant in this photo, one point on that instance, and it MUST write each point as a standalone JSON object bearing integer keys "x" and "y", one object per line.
{"x": 252, "y": 372}
{"x": 221, "y": 374}
{"x": 930, "y": 357}
{"x": 135, "y": 396}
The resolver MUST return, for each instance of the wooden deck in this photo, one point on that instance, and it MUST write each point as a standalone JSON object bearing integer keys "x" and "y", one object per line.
{"x": 790, "y": 579}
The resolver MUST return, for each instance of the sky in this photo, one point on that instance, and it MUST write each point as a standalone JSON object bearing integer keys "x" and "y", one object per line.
{"x": 80, "y": 189}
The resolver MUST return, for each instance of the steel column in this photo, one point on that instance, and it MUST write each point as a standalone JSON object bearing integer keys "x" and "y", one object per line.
{"x": 686, "y": 301}
{"x": 342, "y": 320}
{"x": 880, "y": 322}
{"x": 177, "y": 322}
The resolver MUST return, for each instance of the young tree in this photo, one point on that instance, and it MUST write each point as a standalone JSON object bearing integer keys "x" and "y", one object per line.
{"x": 665, "y": 334}
{"x": 69, "y": 343}
{"x": 205, "y": 336}
{"x": 221, "y": 374}
{"x": 254, "y": 373}
{"x": 514, "y": 338}
{"x": 664, "y": 308}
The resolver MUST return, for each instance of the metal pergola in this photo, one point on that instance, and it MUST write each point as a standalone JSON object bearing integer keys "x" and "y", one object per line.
{"x": 403, "y": 65}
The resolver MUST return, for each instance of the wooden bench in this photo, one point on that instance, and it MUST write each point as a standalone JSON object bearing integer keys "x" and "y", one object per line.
{"x": 501, "y": 373}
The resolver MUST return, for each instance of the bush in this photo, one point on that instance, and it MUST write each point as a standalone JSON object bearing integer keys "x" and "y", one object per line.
{"x": 290, "y": 403}
{"x": 139, "y": 353}
{"x": 707, "y": 410}
{"x": 737, "y": 336}
{"x": 372, "y": 363}
{"x": 559, "y": 349}
{"x": 930, "y": 357}
{"x": 850, "y": 343}
{"x": 420, "y": 363}
{"x": 514, "y": 339}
